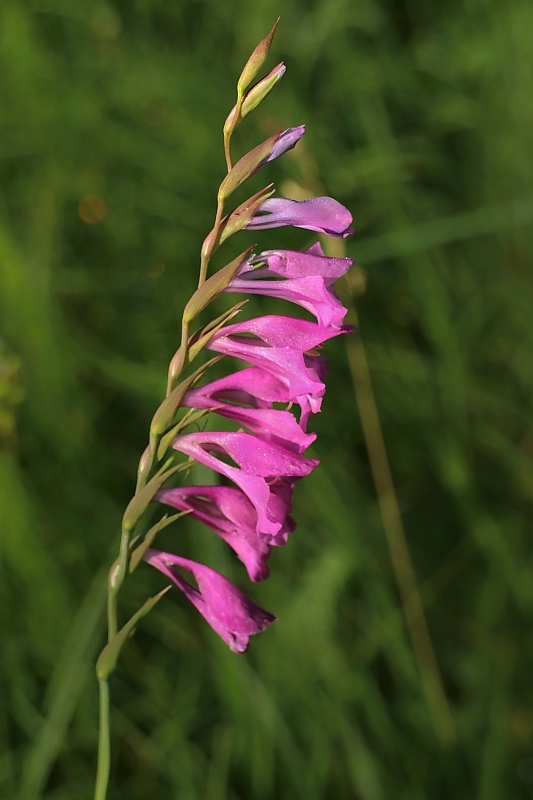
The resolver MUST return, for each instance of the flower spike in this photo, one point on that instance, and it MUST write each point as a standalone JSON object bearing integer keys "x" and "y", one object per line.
{"x": 267, "y": 399}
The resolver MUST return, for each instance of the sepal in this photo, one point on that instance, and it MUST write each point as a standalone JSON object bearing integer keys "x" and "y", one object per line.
{"x": 245, "y": 213}
{"x": 202, "y": 338}
{"x": 137, "y": 552}
{"x": 214, "y": 286}
{"x": 258, "y": 92}
{"x": 140, "y": 502}
{"x": 256, "y": 61}
{"x": 107, "y": 660}
{"x": 165, "y": 413}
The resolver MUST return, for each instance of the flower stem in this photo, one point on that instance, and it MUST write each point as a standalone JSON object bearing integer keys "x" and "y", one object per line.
{"x": 102, "y": 770}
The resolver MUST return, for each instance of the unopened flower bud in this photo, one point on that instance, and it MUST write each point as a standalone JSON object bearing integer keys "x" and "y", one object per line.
{"x": 256, "y": 61}
{"x": 258, "y": 92}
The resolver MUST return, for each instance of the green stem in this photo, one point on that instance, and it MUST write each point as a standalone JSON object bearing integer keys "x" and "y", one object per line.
{"x": 104, "y": 759}
{"x": 111, "y": 612}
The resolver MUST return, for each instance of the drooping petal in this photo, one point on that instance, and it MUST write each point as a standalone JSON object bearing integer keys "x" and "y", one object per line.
{"x": 227, "y": 610}
{"x": 286, "y": 141}
{"x": 253, "y": 386}
{"x": 229, "y": 513}
{"x": 311, "y": 293}
{"x": 322, "y": 214}
{"x": 278, "y": 344}
{"x": 258, "y": 388}
{"x": 269, "y": 424}
{"x": 259, "y": 463}
{"x": 294, "y": 264}
{"x": 317, "y": 366}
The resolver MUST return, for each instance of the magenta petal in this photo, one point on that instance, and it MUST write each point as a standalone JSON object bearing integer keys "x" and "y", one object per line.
{"x": 268, "y": 423}
{"x": 322, "y": 214}
{"x": 279, "y": 331}
{"x": 229, "y": 513}
{"x": 227, "y": 610}
{"x": 312, "y": 293}
{"x": 258, "y": 461}
{"x": 278, "y": 345}
{"x": 253, "y": 386}
{"x": 286, "y": 141}
{"x": 294, "y": 264}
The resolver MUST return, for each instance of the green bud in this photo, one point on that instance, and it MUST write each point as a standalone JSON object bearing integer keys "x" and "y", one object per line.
{"x": 256, "y": 61}
{"x": 213, "y": 286}
{"x": 258, "y": 92}
{"x": 231, "y": 120}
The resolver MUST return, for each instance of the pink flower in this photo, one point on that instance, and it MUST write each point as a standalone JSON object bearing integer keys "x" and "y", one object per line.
{"x": 280, "y": 345}
{"x": 270, "y": 424}
{"x": 259, "y": 463}
{"x": 310, "y": 290}
{"x": 227, "y": 610}
{"x": 231, "y": 515}
{"x": 264, "y": 462}
{"x": 322, "y": 214}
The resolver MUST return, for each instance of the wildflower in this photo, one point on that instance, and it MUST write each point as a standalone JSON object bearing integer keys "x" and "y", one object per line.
{"x": 270, "y": 424}
{"x": 280, "y": 345}
{"x": 322, "y": 214}
{"x": 231, "y": 515}
{"x": 229, "y": 612}
{"x": 308, "y": 281}
{"x": 256, "y": 467}
{"x": 259, "y": 462}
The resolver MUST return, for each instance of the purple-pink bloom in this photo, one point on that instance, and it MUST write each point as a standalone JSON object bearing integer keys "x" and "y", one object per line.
{"x": 227, "y": 610}
{"x": 286, "y": 141}
{"x": 322, "y": 214}
{"x": 270, "y": 424}
{"x": 279, "y": 345}
{"x": 312, "y": 293}
{"x": 252, "y": 386}
{"x": 259, "y": 463}
{"x": 296, "y": 264}
{"x": 231, "y": 515}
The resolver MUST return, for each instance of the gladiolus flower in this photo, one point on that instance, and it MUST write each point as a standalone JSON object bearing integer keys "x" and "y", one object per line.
{"x": 231, "y": 515}
{"x": 229, "y": 612}
{"x": 284, "y": 368}
{"x": 279, "y": 345}
{"x": 258, "y": 463}
{"x": 322, "y": 214}
{"x": 270, "y": 424}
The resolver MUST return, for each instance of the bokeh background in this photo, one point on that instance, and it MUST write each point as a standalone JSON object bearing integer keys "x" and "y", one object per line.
{"x": 401, "y": 663}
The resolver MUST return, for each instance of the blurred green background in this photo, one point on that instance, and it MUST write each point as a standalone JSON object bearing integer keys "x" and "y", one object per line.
{"x": 377, "y": 682}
